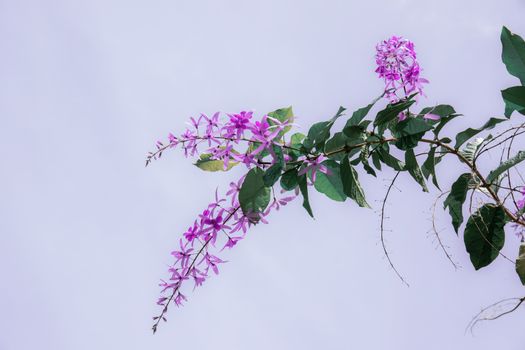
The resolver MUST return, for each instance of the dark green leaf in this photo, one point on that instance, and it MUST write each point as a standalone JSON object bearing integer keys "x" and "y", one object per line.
{"x": 334, "y": 144}
{"x": 351, "y": 186}
{"x": 409, "y": 131}
{"x": 484, "y": 235}
{"x": 514, "y": 98}
{"x": 392, "y": 111}
{"x": 444, "y": 121}
{"x": 390, "y": 160}
{"x": 330, "y": 184}
{"x": 456, "y": 198}
{"x": 304, "y": 191}
{"x": 412, "y": 126}
{"x": 513, "y": 54}
{"x": 506, "y": 165}
{"x": 376, "y": 160}
{"x": 429, "y": 167}
{"x": 320, "y": 132}
{"x": 358, "y": 115}
{"x": 441, "y": 110}
{"x": 289, "y": 179}
{"x": 254, "y": 196}
{"x": 365, "y": 152}
{"x": 296, "y": 142}
{"x": 468, "y": 133}
{"x": 278, "y": 155}
{"x": 520, "y": 263}
{"x": 413, "y": 168}
{"x": 271, "y": 175}
{"x": 355, "y": 132}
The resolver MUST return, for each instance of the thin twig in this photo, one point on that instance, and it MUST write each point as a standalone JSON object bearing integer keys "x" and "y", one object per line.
{"x": 383, "y": 230}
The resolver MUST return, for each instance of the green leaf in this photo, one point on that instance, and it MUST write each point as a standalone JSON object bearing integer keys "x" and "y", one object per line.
{"x": 409, "y": 131}
{"x": 358, "y": 115}
{"x": 413, "y": 168}
{"x": 376, "y": 160}
{"x": 429, "y": 167}
{"x": 514, "y": 98}
{"x": 297, "y": 139}
{"x": 484, "y": 235}
{"x": 468, "y": 133}
{"x": 442, "y": 110}
{"x": 271, "y": 175}
{"x": 444, "y": 121}
{"x": 413, "y": 126}
{"x": 351, "y": 186}
{"x": 520, "y": 263}
{"x": 320, "y": 132}
{"x": 456, "y": 198}
{"x": 330, "y": 184}
{"x": 289, "y": 179}
{"x": 317, "y": 136}
{"x": 296, "y": 142}
{"x": 205, "y": 163}
{"x": 254, "y": 196}
{"x": 392, "y": 111}
{"x": 337, "y": 142}
{"x": 282, "y": 115}
{"x": 506, "y": 165}
{"x": 303, "y": 187}
{"x": 365, "y": 152}
{"x": 278, "y": 155}
{"x": 355, "y": 133}
{"x": 513, "y": 54}
{"x": 390, "y": 160}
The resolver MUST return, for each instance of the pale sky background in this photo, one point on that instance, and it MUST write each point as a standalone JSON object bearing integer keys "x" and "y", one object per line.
{"x": 87, "y": 87}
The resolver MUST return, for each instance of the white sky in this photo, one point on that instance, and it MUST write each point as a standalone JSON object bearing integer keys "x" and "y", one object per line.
{"x": 86, "y": 89}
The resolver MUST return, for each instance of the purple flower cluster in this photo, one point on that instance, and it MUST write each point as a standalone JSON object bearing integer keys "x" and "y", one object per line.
{"x": 220, "y": 140}
{"x": 222, "y": 224}
{"x": 398, "y": 66}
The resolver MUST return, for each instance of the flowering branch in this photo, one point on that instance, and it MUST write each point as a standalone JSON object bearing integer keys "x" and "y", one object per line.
{"x": 281, "y": 168}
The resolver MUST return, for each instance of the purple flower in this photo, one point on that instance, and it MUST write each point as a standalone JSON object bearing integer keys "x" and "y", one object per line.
{"x": 233, "y": 192}
{"x": 242, "y": 223}
{"x": 430, "y": 116}
{"x": 192, "y": 233}
{"x": 247, "y": 159}
{"x": 179, "y": 298}
{"x": 521, "y": 202}
{"x": 198, "y": 277}
{"x": 183, "y": 255}
{"x": 212, "y": 123}
{"x": 238, "y": 124}
{"x": 315, "y": 165}
{"x": 174, "y": 141}
{"x": 232, "y": 241}
{"x": 212, "y": 261}
{"x": 263, "y": 135}
{"x": 224, "y": 153}
{"x": 215, "y": 223}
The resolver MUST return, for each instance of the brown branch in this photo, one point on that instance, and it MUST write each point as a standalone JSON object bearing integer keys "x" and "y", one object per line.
{"x": 434, "y": 229}
{"x": 383, "y": 230}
